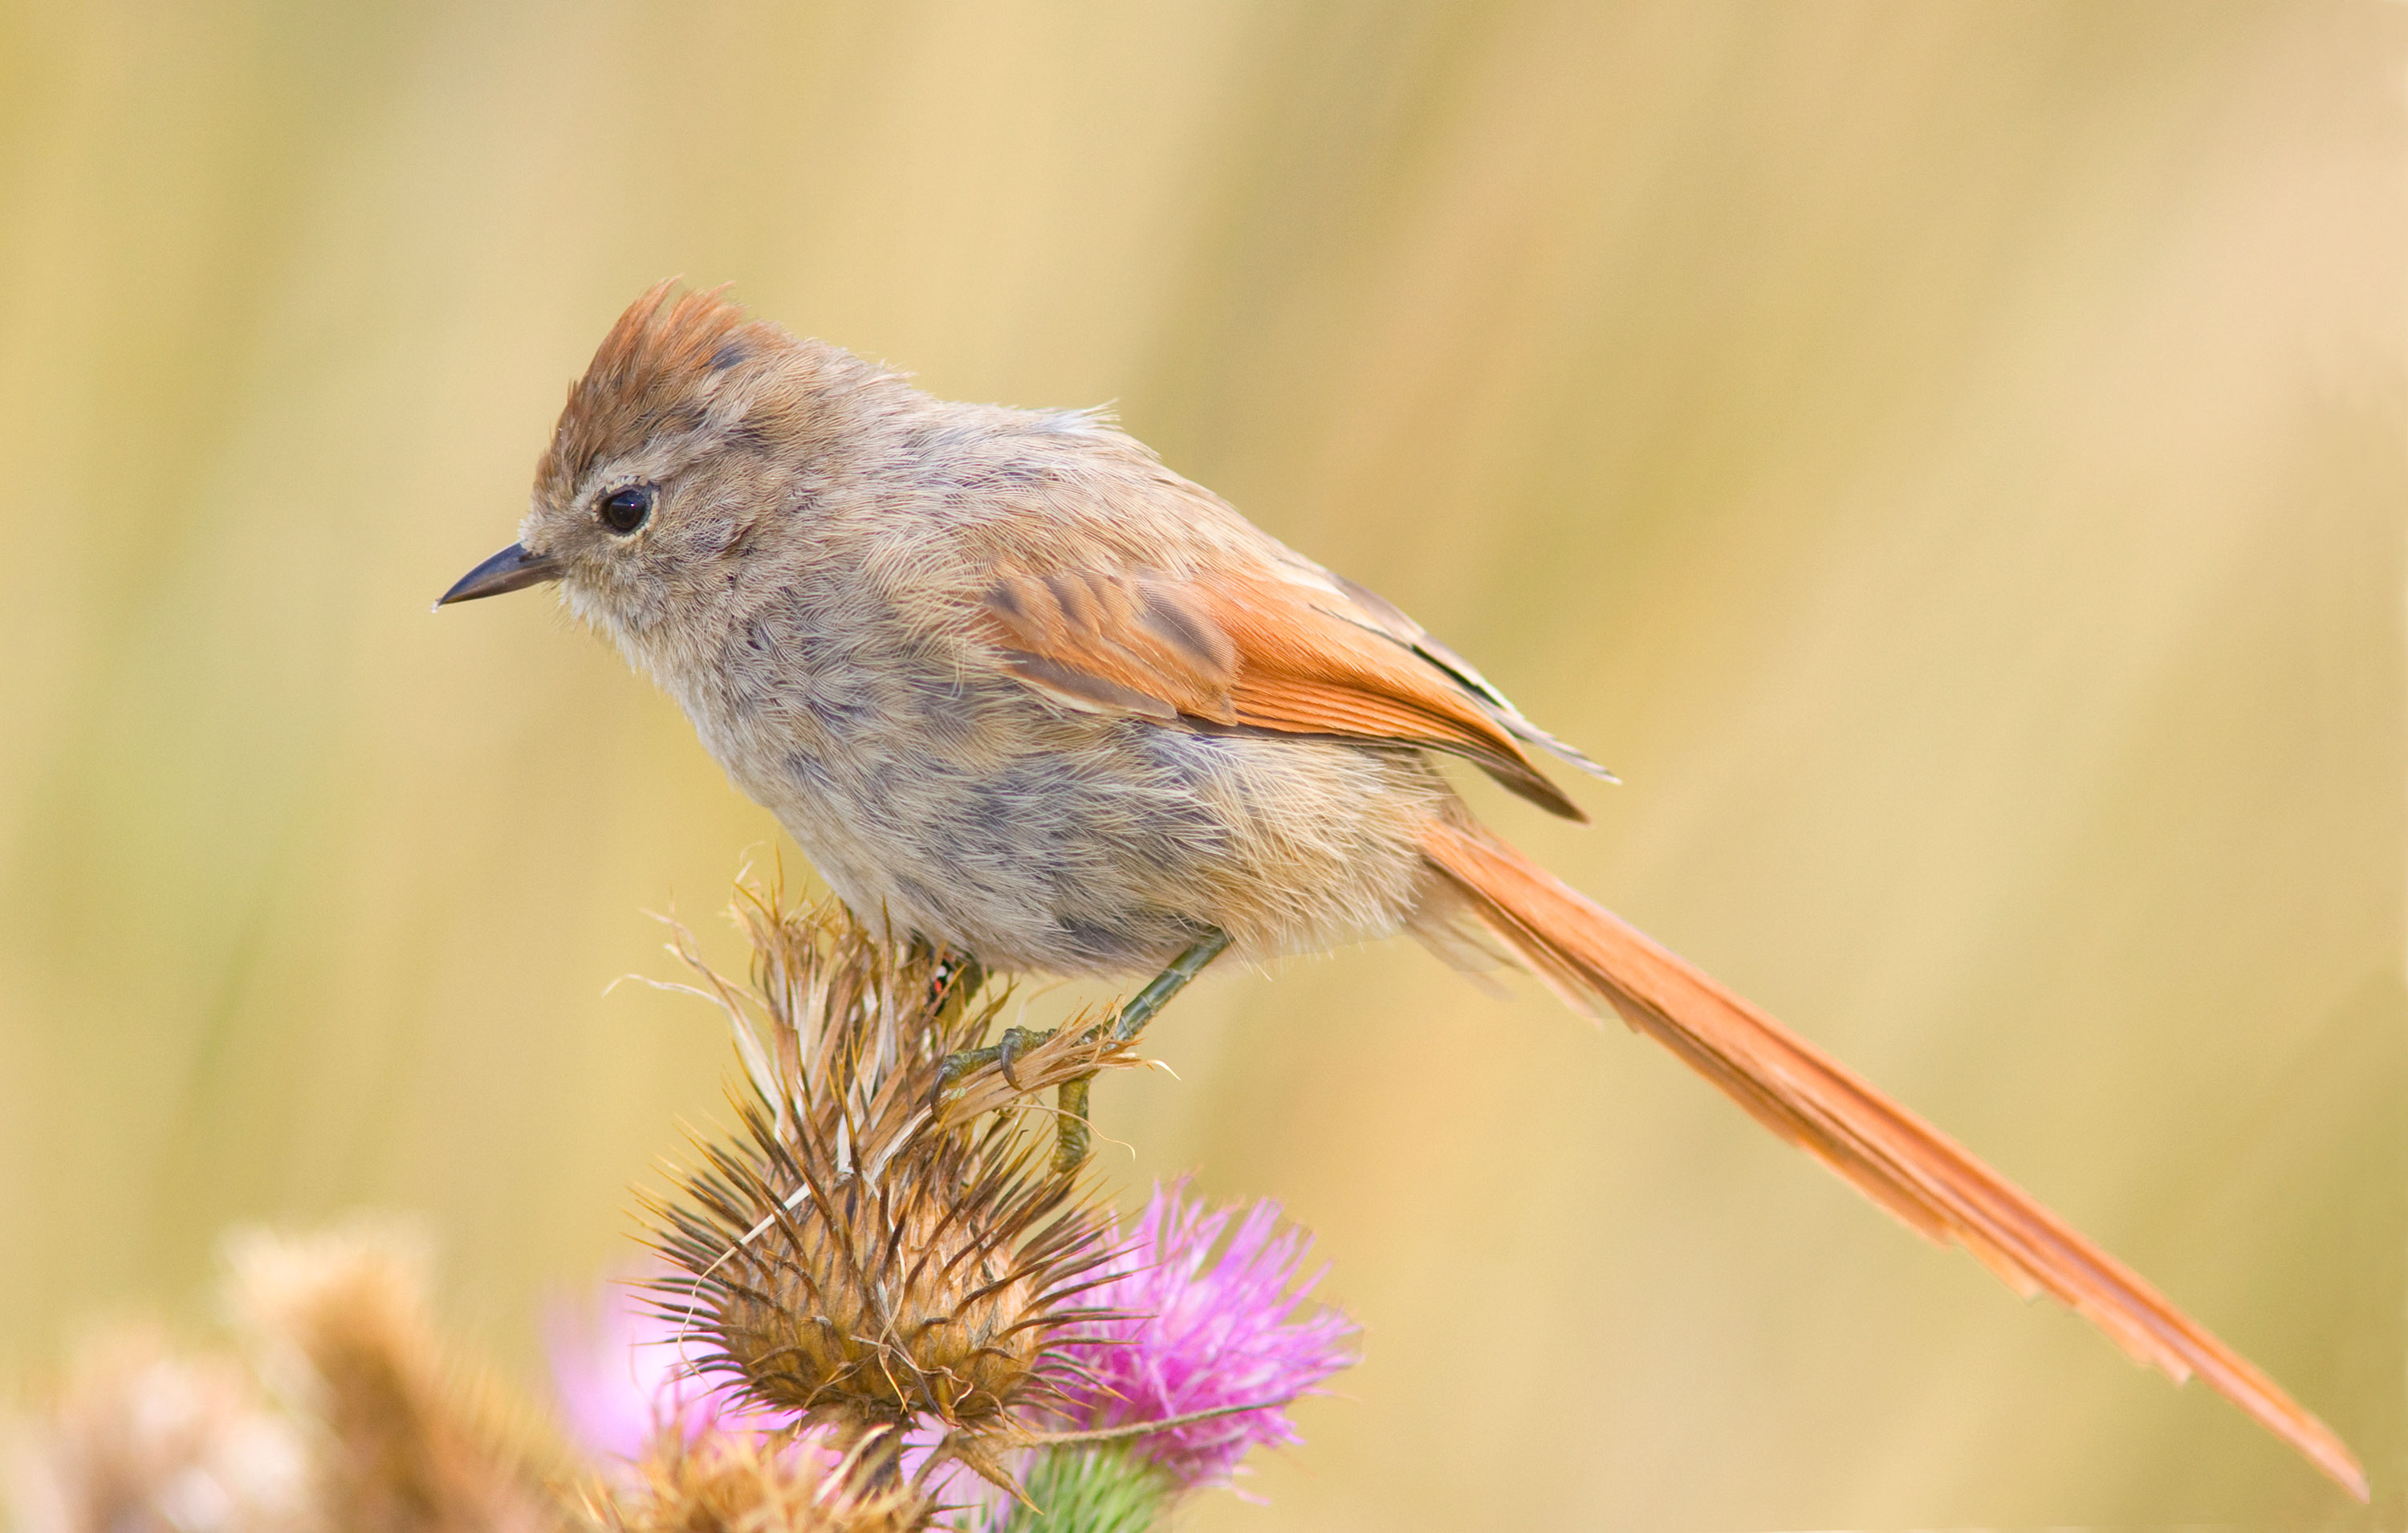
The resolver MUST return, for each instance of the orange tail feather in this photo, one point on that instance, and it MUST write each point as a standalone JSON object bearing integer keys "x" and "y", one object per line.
{"x": 1887, "y": 1152}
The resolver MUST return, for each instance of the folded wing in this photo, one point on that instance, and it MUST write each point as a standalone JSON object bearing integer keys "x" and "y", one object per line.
{"x": 1261, "y": 653}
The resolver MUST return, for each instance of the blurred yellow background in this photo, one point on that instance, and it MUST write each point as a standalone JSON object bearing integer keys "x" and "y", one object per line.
{"x": 1948, "y": 458}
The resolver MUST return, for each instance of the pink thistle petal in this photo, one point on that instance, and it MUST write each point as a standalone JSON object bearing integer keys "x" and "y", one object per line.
{"x": 1206, "y": 1331}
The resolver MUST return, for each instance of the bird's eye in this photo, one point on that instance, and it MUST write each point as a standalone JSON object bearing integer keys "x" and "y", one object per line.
{"x": 627, "y": 509}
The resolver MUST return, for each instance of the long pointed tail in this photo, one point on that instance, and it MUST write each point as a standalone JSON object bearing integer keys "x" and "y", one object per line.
{"x": 1885, "y": 1152}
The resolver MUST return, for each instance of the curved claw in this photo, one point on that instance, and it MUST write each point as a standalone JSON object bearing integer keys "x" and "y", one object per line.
{"x": 1006, "y": 1051}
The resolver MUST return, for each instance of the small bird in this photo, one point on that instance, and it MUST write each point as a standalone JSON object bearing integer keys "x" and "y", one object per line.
{"x": 1016, "y": 687}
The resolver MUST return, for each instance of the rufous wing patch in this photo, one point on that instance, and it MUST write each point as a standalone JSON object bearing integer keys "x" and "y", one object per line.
{"x": 1113, "y": 644}
{"x": 1251, "y": 651}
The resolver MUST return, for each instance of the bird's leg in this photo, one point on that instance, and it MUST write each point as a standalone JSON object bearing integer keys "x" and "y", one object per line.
{"x": 1071, "y": 1097}
{"x": 1071, "y": 1133}
{"x": 1140, "y": 1008}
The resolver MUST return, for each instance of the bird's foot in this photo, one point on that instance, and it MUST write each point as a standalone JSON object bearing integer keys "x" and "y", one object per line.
{"x": 1003, "y": 1051}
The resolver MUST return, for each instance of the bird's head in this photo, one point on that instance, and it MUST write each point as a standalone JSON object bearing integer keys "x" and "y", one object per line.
{"x": 692, "y": 443}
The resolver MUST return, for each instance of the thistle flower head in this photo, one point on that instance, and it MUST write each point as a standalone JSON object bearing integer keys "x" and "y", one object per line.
{"x": 925, "y": 1288}
{"x": 866, "y": 1254}
{"x": 1193, "y": 1331}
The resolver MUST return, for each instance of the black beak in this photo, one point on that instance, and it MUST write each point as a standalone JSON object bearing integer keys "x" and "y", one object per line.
{"x": 512, "y": 569}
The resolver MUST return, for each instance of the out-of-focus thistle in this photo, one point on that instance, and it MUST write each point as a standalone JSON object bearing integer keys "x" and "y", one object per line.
{"x": 407, "y": 1434}
{"x": 354, "y": 1416}
{"x": 868, "y": 1254}
{"x": 145, "y": 1439}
